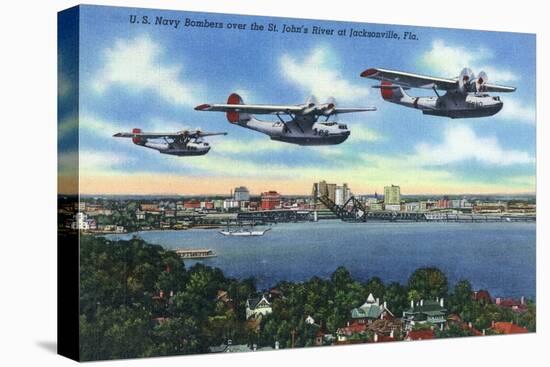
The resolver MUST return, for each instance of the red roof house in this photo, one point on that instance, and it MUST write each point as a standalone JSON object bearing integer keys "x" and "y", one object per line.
{"x": 509, "y": 328}
{"x": 420, "y": 335}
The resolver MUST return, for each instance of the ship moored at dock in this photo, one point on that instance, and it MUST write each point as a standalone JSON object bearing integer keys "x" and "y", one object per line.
{"x": 197, "y": 253}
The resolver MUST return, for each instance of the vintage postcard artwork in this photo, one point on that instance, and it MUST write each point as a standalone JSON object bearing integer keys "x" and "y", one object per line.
{"x": 233, "y": 183}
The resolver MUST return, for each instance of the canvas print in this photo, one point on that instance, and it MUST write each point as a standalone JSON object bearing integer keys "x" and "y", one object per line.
{"x": 233, "y": 183}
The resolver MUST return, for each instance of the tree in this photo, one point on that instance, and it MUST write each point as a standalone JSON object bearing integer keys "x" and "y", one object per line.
{"x": 461, "y": 297}
{"x": 178, "y": 335}
{"x": 396, "y": 298}
{"x": 341, "y": 278}
{"x": 453, "y": 331}
{"x": 529, "y": 319}
{"x": 413, "y": 295}
{"x": 115, "y": 333}
{"x": 376, "y": 287}
{"x": 429, "y": 282}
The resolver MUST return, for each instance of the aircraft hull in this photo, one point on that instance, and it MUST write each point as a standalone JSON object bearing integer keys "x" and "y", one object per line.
{"x": 188, "y": 153}
{"x": 465, "y": 113}
{"x": 305, "y": 140}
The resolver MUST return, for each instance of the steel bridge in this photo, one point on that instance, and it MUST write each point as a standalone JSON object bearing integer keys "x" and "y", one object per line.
{"x": 354, "y": 211}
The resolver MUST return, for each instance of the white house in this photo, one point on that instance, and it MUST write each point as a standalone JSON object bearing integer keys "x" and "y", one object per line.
{"x": 256, "y": 307}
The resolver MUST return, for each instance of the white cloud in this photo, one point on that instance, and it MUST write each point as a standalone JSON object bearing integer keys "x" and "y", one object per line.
{"x": 96, "y": 125}
{"x": 364, "y": 134}
{"x": 227, "y": 145}
{"x": 447, "y": 61}
{"x": 137, "y": 64}
{"x": 460, "y": 143}
{"x": 96, "y": 162}
{"x": 318, "y": 76}
{"x": 517, "y": 111}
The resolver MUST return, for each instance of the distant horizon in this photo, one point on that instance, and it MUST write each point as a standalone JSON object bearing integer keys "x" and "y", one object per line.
{"x": 520, "y": 194}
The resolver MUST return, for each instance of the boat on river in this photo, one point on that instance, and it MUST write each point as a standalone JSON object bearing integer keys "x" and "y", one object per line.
{"x": 244, "y": 232}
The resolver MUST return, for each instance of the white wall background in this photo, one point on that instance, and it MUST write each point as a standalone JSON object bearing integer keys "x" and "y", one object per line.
{"x": 28, "y": 184}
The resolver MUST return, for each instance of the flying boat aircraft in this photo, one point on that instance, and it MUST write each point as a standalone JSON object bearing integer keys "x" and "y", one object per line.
{"x": 182, "y": 143}
{"x": 305, "y": 126}
{"x": 466, "y": 96}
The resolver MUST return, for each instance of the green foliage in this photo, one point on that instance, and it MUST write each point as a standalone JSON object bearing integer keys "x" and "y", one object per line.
{"x": 429, "y": 283}
{"x": 376, "y": 287}
{"x": 115, "y": 333}
{"x": 118, "y": 282}
{"x": 122, "y": 315}
{"x": 396, "y": 298}
{"x": 179, "y": 335}
{"x": 341, "y": 278}
{"x": 461, "y": 298}
{"x": 453, "y": 331}
{"x": 529, "y": 319}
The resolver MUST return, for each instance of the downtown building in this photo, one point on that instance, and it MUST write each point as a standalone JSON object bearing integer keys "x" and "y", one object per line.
{"x": 392, "y": 198}
{"x": 270, "y": 200}
{"x": 241, "y": 193}
{"x": 337, "y": 194}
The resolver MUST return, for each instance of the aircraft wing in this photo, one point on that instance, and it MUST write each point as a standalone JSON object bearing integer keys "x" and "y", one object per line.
{"x": 339, "y": 110}
{"x": 199, "y": 133}
{"x": 410, "y": 80}
{"x": 259, "y": 109}
{"x": 497, "y": 88}
{"x": 146, "y": 135}
{"x": 189, "y": 133}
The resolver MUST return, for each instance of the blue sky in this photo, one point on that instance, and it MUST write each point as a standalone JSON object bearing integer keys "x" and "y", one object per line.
{"x": 151, "y": 77}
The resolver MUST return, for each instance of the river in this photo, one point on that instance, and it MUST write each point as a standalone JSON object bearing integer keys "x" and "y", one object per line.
{"x": 499, "y": 257}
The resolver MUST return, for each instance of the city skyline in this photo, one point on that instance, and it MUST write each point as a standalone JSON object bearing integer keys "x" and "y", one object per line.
{"x": 134, "y": 76}
{"x": 228, "y": 192}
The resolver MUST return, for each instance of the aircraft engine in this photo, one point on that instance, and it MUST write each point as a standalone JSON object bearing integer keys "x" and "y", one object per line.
{"x": 311, "y": 101}
{"x": 481, "y": 81}
{"x": 465, "y": 80}
{"x": 310, "y": 105}
{"x": 329, "y": 106}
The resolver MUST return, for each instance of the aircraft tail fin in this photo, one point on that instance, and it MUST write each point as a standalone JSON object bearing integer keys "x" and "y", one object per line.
{"x": 391, "y": 92}
{"x": 235, "y": 117}
{"x": 136, "y": 139}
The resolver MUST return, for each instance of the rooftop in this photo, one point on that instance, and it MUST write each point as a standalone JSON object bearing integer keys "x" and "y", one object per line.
{"x": 509, "y": 328}
{"x": 421, "y": 334}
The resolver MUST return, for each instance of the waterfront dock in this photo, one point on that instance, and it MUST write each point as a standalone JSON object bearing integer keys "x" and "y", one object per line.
{"x": 198, "y": 253}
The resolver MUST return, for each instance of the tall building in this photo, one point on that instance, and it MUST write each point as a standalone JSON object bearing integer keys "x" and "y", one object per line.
{"x": 338, "y": 194}
{"x": 241, "y": 193}
{"x": 392, "y": 195}
{"x": 341, "y": 194}
{"x": 444, "y": 203}
{"x": 270, "y": 200}
{"x": 347, "y": 192}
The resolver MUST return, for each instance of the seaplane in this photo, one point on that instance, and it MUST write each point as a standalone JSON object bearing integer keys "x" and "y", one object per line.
{"x": 466, "y": 96}
{"x": 182, "y": 143}
{"x": 308, "y": 124}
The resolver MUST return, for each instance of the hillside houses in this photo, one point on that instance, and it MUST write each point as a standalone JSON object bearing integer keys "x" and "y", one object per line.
{"x": 428, "y": 312}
